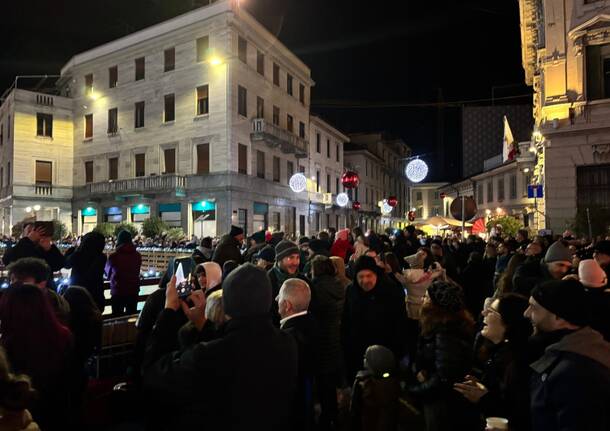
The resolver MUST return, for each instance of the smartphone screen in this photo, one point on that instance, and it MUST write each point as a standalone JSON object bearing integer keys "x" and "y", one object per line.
{"x": 182, "y": 271}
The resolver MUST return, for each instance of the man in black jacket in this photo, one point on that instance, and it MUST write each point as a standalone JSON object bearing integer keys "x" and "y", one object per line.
{"x": 555, "y": 265}
{"x": 245, "y": 380}
{"x": 229, "y": 247}
{"x": 570, "y": 387}
{"x": 374, "y": 313}
{"x": 293, "y": 303}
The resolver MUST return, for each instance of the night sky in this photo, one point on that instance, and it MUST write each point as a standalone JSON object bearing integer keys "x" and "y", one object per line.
{"x": 374, "y": 63}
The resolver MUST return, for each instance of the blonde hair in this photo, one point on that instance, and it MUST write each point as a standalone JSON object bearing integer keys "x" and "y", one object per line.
{"x": 214, "y": 311}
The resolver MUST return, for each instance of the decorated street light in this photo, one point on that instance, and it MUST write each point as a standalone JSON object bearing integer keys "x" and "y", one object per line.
{"x": 416, "y": 170}
{"x": 298, "y": 182}
{"x": 386, "y": 208}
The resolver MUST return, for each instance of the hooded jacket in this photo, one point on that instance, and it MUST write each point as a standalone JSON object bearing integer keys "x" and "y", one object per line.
{"x": 570, "y": 387}
{"x": 342, "y": 247}
{"x": 123, "y": 270}
{"x": 88, "y": 262}
{"x": 227, "y": 249}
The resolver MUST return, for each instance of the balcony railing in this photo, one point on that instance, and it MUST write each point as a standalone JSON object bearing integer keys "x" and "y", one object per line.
{"x": 162, "y": 183}
{"x": 275, "y": 136}
{"x": 43, "y": 189}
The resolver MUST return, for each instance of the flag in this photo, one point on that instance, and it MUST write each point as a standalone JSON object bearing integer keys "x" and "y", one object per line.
{"x": 508, "y": 143}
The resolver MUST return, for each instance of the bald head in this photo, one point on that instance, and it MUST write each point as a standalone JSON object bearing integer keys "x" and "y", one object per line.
{"x": 294, "y": 297}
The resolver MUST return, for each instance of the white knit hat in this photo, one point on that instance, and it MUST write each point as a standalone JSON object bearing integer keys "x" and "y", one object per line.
{"x": 591, "y": 274}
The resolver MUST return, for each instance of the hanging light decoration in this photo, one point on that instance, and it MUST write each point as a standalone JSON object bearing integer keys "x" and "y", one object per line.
{"x": 342, "y": 199}
{"x": 298, "y": 182}
{"x": 392, "y": 201}
{"x": 416, "y": 170}
{"x": 356, "y": 205}
{"x": 385, "y": 207}
{"x": 350, "y": 180}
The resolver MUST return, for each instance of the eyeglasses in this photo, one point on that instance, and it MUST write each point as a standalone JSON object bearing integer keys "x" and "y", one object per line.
{"x": 493, "y": 310}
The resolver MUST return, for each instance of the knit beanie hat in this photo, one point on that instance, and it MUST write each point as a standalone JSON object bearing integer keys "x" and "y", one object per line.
{"x": 366, "y": 262}
{"x": 303, "y": 240}
{"x": 558, "y": 252}
{"x": 267, "y": 253}
{"x": 565, "y": 298}
{"x": 380, "y": 361}
{"x": 591, "y": 274}
{"x": 259, "y": 237}
{"x": 246, "y": 292}
{"x": 236, "y": 230}
{"x": 228, "y": 267}
{"x": 446, "y": 296}
{"x": 603, "y": 247}
{"x": 318, "y": 246}
{"x": 123, "y": 237}
{"x": 284, "y": 249}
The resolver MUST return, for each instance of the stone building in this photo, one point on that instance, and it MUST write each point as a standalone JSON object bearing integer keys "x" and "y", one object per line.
{"x": 566, "y": 57}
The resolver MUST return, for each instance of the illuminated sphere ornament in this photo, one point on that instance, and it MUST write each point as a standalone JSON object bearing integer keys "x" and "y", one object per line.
{"x": 298, "y": 182}
{"x": 342, "y": 199}
{"x": 416, "y": 170}
{"x": 350, "y": 180}
{"x": 385, "y": 207}
{"x": 392, "y": 201}
{"x": 356, "y": 205}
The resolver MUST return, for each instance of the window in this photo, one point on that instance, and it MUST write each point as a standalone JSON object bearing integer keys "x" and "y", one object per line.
{"x": 260, "y": 107}
{"x": 242, "y": 49}
{"x": 260, "y": 63}
{"x": 43, "y": 172}
{"x": 436, "y": 196}
{"x": 490, "y": 191}
{"x": 203, "y": 159}
{"x": 242, "y": 101}
{"x": 302, "y": 93}
{"x": 113, "y": 120}
{"x": 418, "y": 196}
{"x": 276, "y": 116}
{"x": 44, "y": 125}
{"x": 289, "y": 171}
{"x": 88, "y": 126}
{"x": 169, "y": 159}
{"x": 140, "y": 69}
{"x": 527, "y": 180}
{"x": 598, "y": 71}
{"x": 169, "y": 59}
{"x": 1, "y": 177}
{"x": 480, "y": 193}
{"x": 260, "y": 164}
{"x": 113, "y": 76}
{"x": 318, "y": 142}
{"x": 88, "y": 84}
{"x": 203, "y": 43}
{"x": 203, "y": 100}
{"x": 1, "y": 134}
{"x": 89, "y": 172}
{"x": 317, "y": 181}
{"x": 169, "y": 112}
{"x": 289, "y": 84}
{"x": 302, "y": 169}
{"x": 113, "y": 168}
{"x": 337, "y": 185}
{"x": 500, "y": 189}
{"x": 301, "y": 129}
{"x": 242, "y": 159}
{"x": 366, "y": 196}
{"x": 338, "y": 153}
{"x": 328, "y": 148}
{"x": 289, "y": 123}
{"x": 139, "y": 115}
{"x": 140, "y": 160}
{"x": 512, "y": 187}
{"x": 8, "y": 173}
{"x": 276, "y": 74}
{"x": 276, "y": 169}
{"x": 328, "y": 190}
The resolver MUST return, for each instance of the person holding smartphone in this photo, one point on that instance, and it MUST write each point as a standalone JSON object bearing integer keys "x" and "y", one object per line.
{"x": 37, "y": 241}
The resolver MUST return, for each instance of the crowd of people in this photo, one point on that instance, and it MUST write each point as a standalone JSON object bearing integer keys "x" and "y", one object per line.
{"x": 343, "y": 330}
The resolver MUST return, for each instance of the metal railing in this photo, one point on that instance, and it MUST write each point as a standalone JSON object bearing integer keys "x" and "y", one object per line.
{"x": 161, "y": 182}
{"x": 43, "y": 189}
{"x": 289, "y": 142}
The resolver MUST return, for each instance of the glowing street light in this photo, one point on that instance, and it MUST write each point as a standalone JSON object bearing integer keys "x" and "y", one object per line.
{"x": 215, "y": 60}
{"x": 342, "y": 199}
{"x": 36, "y": 207}
{"x": 416, "y": 170}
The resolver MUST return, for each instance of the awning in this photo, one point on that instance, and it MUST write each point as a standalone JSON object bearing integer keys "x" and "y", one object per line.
{"x": 441, "y": 221}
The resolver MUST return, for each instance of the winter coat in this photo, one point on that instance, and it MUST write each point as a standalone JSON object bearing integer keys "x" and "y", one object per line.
{"x": 304, "y": 331}
{"x": 529, "y": 275}
{"x": 123, "y": 270}
{"x": 26, "y": 248}
{"x": 506, "y": 376}
{"x": 341, "y": 248}
{"x": 277, "y": 277}
{"x": 251, "y": 253}
{"x": 374, "y": 317}
{"x": 444, "y": 357}
{"x": 570, "y": 387}
{"x": 202, "y": 254}
{"x": 88, "y": 263}
{"x": 245, "y": 380}
{"x": 375, "y": 403}
{"x": 327, "y": 298}
{"x": 227, "y": 249}
{"x": 600, "y": 310}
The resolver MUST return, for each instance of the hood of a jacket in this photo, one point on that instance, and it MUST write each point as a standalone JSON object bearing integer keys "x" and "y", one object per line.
{"x": 585, "y": 342}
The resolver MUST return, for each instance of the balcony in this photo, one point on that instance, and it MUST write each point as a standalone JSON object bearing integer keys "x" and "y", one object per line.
{"x": 43, "y": 189}
{"x": 134, "y": 186}
{"x": 274, "y": 137}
